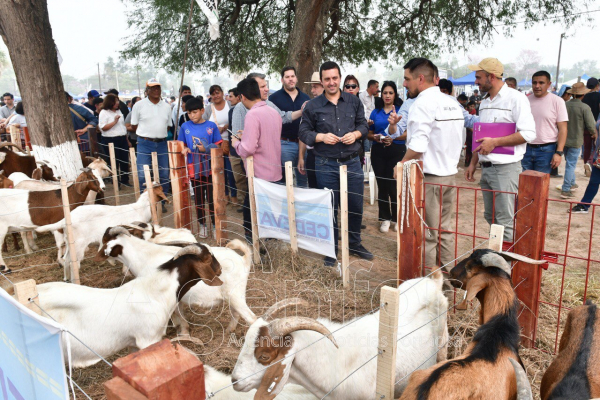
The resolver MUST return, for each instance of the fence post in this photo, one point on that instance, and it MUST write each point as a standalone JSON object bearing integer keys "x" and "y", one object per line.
{"x": 410, "y": 238}
{"x": 15, "y": 135}
{"x": 26, "y": 291}
{"x": 496, "y": 237}
{"x": 218, "y": 182}
{"x": 93, "y": 142}
{"x": 156, "y": 179}
{"x": 27, "y": 138}
{"x": 113, "y": 167}
{"x": 74, "y": 264}
{"x": 180, "y": 185}
{"x": 150, "y": 189}
{"x": 388, "y": 343}
{"x": 530, "y": 233}
{"x": 253, "y": 216}
{"x": 134, "y": 173}
{"x": 344, "y": 224}
{"x": 289, "y": 185}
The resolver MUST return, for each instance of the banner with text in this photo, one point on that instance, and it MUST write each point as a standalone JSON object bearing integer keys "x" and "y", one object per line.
{"x": 31, "y": 355}
{"x": 314, "y": 216}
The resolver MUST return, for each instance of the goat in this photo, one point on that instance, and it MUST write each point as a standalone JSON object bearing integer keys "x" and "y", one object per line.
{"x": 135, "y": 314}
{"x": 278, "y": 344}
{"x": 161, "y": 234}
{"x": 486, "y": 361}
{"x": 574, "y": 373}
{"x": 89, "y": 222}
{"x": 141, "y": 257}
{"x": 102, "y": 167}
{"x": 6, "y": 183}
{"x": 29, "y": 209}
{"x": 12, "y": 161}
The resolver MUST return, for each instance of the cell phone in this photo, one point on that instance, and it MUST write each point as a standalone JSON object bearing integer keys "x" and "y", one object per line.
{"x": 235, "y": 135}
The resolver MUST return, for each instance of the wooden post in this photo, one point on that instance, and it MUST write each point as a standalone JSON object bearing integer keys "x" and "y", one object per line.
{"x": 163, "y": 371}
{"x": 496, "y": 237}
{"x": 156, "y": 179}
{"x": 344, "y": 224}
{"x": 180, "y": 185}
{"x": 134, "y": 173}
{"x": 388, "y": 342}
{"x": 27, "y": 139}
{"x": 150, "y": 189}
{"x": 113, "y": 167}
{"x": 93, "y": 142}
{"x": 24, "y": 292}
{"x": 74, "y": 264}
{"x": 530, "y": 232}
{"x": 217, "y": 163}
{"x": 255, "y": 240}
{"x": 289, "y": 183}
{"x": 410, "y": 241}
{"x": 15, "y": 135}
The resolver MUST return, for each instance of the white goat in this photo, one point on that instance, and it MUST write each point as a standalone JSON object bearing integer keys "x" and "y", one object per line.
{"x": 135, "y": 314}
{"x": 421, "y": 327}
{"x": 161, "y": 234}
{"x": 142, "y": 258}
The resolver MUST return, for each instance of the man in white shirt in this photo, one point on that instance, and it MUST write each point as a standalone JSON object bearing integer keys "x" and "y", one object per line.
{"x": 500, "y": 172}
{"x": 368, "y": 99}
{"x": 434, "y": 135}
{"x": 150, "y": 120}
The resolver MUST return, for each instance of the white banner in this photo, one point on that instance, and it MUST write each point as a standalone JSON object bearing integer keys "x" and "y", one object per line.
{"x": 314, "y": 216}
{"x": 31, "y": 355}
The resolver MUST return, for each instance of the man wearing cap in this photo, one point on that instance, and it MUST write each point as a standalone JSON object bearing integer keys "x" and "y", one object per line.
{"x": 581, "y": 119}
{"x": 592, "y": 99}
{"x": 306, "y": 162}
{"x": 122, "y": 106}
{"x": 92, "y": 94}
{"x": 150, "y": 120}
{"x": 500, "y": 172}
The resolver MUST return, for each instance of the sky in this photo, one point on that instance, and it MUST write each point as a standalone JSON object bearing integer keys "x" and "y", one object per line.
{"x": 82, "y": 46}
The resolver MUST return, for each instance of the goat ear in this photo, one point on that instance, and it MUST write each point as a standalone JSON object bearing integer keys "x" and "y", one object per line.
{"x": 475, "y": 285}
{"x": 275, "y": 377}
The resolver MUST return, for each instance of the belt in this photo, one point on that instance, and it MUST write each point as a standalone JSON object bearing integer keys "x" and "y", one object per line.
{"x": 344, "y": 159}
{"x": 289, "y": 140}
{"x": 152, "y": 139}
{"x": 486, "y": 164}
{"x": 537, "y": 146}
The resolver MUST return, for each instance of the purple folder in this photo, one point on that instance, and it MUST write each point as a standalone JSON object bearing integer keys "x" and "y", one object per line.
{"x": 494, "y": 130}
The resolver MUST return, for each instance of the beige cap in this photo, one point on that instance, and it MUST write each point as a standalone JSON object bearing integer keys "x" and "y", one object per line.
{"x": 152, "y": 82}
{"x": 315, "y": 78}
{"x": 489, "y": 65}
{"x": 578, "y": 89}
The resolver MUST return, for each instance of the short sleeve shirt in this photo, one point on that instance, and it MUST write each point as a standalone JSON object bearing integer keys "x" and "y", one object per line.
{"x": 193, "y": 134}
{"x": 152, "y": 120}
{"x": 107, "y": 117}
{"x": 547, "y": 111}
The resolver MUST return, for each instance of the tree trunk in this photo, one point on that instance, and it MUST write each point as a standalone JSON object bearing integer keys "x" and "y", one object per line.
{"x": 25, "y": 29}
{"x": 306, "y": 39}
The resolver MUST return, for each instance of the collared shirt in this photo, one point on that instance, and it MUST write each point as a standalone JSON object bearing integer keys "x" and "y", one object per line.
{"x": 508, "y": 106}
{"x": 239, "y": 114}
{"x": 580, "y": 118}
{"x": 368, "y": 101}
{"x": 261, "y": 140}
{"x": 152, "y": 120}
{"x": 283, "y": 100}
{"x": 322, "y": 116}
{"x": 435, "y": 125}
{"x": 88, "y": 117}
{"x": 547, "y": 112}
{"x": 6, "y": 112}
{"x": 107, "y": 117}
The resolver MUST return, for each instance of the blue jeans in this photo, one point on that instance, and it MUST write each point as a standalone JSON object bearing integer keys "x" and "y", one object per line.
{"x": 571, "y": 157}
{"x": 289, "y": 152}
{"x": 328, "y": 176}
{"x": 539, "y": 158}
{"x": 592, "y": 188}
{"x": 144, "y": 157}
{"x": 230, "y": 189}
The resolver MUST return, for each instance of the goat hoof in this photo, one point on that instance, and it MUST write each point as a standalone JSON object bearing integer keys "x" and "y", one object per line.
{"x": 188, "y": 338}
{"x": 5, "y": 270}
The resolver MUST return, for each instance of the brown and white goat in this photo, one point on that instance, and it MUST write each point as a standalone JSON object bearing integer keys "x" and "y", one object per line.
{"x": 11, "y": 161}
{"x": 484, "y": 370}
{"x": 575, "y": 372}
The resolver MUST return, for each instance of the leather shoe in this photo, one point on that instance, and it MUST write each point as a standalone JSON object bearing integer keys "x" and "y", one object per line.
{"x": 360, "y": 251}
{"x": 330, "y": 262}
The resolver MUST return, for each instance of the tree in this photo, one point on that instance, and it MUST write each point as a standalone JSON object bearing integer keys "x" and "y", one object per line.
{"x": 25, "y": 29}
{"x": 269, "y": 34}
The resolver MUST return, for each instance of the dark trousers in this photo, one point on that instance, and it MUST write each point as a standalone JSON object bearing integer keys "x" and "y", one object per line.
{"x": 121, "y": 155}
{"x": 230, "y": 188}
{"x": 588, "y": 146}
{"x": 309, "y": 166}
{"x": 592, "y": 188}
{"x": 203, "y": 193}
{"x": 328, "y": 176}
{"x": 383, "y": 161}
{"x": 468, "y": 149}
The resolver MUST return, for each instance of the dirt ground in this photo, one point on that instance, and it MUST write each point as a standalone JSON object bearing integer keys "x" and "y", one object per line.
{"x": 282, "y": 275}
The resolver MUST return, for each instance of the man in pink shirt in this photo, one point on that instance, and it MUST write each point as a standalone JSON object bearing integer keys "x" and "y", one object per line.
{"x": 550, "y": 114}
{"x": 260, "y": 139}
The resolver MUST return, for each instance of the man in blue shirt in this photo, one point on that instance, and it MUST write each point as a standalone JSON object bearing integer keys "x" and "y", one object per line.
{"x": 82, "y": 120}
{"x": 290, "y": 98}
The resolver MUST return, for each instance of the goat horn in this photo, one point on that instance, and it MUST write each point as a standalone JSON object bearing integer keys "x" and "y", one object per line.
{"x": 523, "y": 386}
{"x": 193, "y": 249}
{"x": 5, "y": 144}
{"x": 132, "y": 226}
{"x": 280, "y": 305}
{"x": 176, "y": 243}
{"x": 494, "y": 259}
{"x": 118, "y": 230}
{"x": 508, "y": 256}
{"x": 284, "y": 326}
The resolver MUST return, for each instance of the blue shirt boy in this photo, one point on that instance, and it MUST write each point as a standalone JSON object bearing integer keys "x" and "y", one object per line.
{"x": 206, "y": 134}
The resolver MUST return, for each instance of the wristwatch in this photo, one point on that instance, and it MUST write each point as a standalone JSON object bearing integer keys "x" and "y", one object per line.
{"x": 560, "y": 153}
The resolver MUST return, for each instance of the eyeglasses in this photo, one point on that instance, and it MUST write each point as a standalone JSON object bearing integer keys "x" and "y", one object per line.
{"x": 350, "y": 86}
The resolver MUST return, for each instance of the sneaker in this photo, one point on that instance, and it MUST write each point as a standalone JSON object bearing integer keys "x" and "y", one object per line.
{"x": 330, "y": 262}
{"x": 578, "y": 209}
{"x": 202, "y": 231}
{"x": 574, "y": 186}
{"x": 556, "y": 176}
{"x": 385, "y": 226}
{"x": 360, "y": 251}
{"x": 567, "y": 195}
{"x": 587, "y": 168}
{"x": 559, "y": 188}
{"x": 362, "y": 226}
{"x": 395, "y": 226}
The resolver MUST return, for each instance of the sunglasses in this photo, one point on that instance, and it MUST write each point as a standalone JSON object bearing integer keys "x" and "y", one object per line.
{"x": 350, "y": 86}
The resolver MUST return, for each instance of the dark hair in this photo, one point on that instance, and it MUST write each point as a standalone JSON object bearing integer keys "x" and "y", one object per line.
{"x": 371, "y": 83}
{"x": 184, "y": 87}
{"x": 512, "y": 80}
{"x": 462, "y": 97}
{"x": 351, "y": 78}
{"x": 135, "y": 100}
{"x": 327, "y": 65}
{"x": 97, "y": 100}
{"x": 591, "y": 83}
{"x": 542, "y": 73}
{"x": 214, "y": 88}
{"x": 7, "y": 94}
{"x": 194, "y": 103}
{"x": 286, "y": 69}
{"x": 471, "y": 103}
{"x": 234, "y": 91}
{"x": 249, "y": 89}
{"x": 172, "y": 98}
{"x": 19, "y": 108}
{"x": 392, "y": 84}
{"x": 253, "y": 75}
{"x": 446, "y": 84}
{"x": 67, "y": 95}
{"x": 128, "y": 102}
{"x": 423, "y": 67}
{"x": 109, "y": 101}
{"x": 185, "y": 99}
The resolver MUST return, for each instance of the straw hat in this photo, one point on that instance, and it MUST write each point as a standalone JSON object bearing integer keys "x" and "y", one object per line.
{"x": 578, "y": 89}
{"x": 315, "y": 78}
{"x": 489, "y": 65}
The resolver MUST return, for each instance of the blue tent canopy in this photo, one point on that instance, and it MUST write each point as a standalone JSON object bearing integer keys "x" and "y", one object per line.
{"x": 524, "y": 82}
{"x": 465, "y": 80}
{"x": 585, "y": 77}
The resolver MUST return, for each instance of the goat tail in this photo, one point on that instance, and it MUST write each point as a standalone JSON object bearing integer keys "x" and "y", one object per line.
{"x": 438, "y": 277}
{"x": 51, "y": 227}
{"x": 237, "y": 244}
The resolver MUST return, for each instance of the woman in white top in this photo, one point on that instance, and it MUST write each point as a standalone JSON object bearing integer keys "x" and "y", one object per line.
{"x": 17, "y": 119}
{"x": 218, "y": 111}
{"x": 112, "y": 125}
